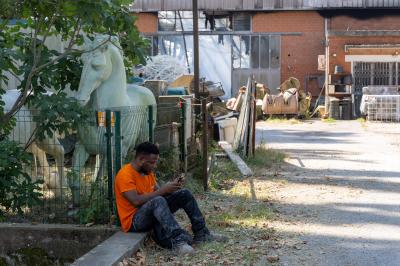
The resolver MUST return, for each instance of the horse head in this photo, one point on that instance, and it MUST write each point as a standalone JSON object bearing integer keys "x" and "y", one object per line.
{"x": 97, "y": 65}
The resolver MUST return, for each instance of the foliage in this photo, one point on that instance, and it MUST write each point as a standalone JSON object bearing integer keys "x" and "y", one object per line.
{"x": 17, "y": 190}
{"x": 167, "y": 168}
{"x": 51, "y": 115}
{"x": 95, "y": 205}
{"x": 24, "y": 52}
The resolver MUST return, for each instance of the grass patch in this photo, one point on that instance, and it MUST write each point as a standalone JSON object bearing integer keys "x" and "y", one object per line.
{"x": 362, "y": 121}
{"x": 223, "y": 174}
{"x": 283, "y": 120}
{"x": 329, "y": 120}
{"x": 264, "y": 157}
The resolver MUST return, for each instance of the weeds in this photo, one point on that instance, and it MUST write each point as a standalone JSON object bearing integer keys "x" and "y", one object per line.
{"x": 264, "y": 157}
{"x": 329, "y": 120}
{"x": 95, "y": 205}
{"x": 283, "y": 120}
{"x": 362, "y": 121}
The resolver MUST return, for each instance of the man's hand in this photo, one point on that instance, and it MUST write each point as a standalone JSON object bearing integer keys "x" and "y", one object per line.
{"x": 170, "y": 187}
{"x": 180, "y": 180}
{"x": 138, "y": 200}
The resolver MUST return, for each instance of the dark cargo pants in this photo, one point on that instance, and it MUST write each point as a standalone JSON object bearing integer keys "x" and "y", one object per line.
{"x": 157, "y": 215}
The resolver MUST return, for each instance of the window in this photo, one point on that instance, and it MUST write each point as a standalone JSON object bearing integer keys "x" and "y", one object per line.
{"x": 275, "y": 44}
{"x": 241, "y": 51}
{"x": 241, "y": 22}
{"x": 255, "y": 51}
{"x": 262, "y": 51}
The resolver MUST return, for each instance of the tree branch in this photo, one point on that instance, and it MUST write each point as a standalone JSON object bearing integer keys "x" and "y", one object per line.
{"x": 53, "y": 17}
{"x": 23, "y": 96}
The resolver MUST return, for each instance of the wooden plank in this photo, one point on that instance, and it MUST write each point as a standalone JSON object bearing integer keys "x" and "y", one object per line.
{"x": 235, "y": 158}
{"x": 242, "y": 125}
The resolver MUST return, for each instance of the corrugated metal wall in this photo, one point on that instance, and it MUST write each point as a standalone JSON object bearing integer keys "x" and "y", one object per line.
{"x": 157, "y": 5}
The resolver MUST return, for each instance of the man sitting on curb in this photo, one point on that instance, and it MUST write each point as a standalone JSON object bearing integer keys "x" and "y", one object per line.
{"x": 144, "y": 206}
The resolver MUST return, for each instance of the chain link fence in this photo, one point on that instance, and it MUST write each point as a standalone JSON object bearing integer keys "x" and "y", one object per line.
{"x": 78, "y": 170}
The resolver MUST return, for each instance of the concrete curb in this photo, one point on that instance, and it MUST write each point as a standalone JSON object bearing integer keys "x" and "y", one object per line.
{"x": 112, "y": 250}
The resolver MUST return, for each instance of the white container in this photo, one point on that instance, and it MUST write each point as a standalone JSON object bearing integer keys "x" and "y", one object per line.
{"x": 227, "y": 128}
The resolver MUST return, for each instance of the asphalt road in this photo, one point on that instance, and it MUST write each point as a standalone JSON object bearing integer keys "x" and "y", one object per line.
{"x": 339, "y": 199}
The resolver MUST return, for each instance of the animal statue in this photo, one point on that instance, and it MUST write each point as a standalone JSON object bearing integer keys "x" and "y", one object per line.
{"x": 23, "y": 133}
{"x": 103, "y": 86}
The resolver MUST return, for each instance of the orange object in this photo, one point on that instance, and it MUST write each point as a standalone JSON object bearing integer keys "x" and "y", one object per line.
{"x": 101, "y": 119}
{"x": 129, "y": 179}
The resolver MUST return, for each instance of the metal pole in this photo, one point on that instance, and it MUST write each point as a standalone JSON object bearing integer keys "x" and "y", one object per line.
{"x": 196, "y": 50}
{"x": 326, "y": 64}
{"x": 117, "y": 139}
{"x": 253, "y": 137}
{"x": 183, "y": 135}
{"x": 205, "y": 142}
{"x": 109, "y": 159}
{"x": 151, "y": 123}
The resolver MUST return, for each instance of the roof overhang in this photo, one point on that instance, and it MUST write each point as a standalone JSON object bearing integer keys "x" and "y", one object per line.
{"x": 259, "y": 5}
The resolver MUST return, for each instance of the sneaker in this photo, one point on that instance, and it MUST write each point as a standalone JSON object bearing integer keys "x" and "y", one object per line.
{"x": 183, "y": 248}
{"x": 209, "y": 237}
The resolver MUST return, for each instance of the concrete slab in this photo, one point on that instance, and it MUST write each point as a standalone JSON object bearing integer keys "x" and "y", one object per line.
{"x": 62, "y": 241}
{"x": 113, "y": 250}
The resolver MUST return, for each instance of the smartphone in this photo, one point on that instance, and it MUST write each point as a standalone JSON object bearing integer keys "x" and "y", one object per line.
{"x": 181, "y": 178}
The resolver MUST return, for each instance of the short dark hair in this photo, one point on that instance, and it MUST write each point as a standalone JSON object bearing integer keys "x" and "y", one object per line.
{"x": 146, "y": 148}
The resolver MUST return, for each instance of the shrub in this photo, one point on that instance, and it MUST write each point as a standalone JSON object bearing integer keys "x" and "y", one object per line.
{"x": 17, "y": 190}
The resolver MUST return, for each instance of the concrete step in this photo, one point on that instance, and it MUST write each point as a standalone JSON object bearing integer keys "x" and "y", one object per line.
{"x": 113, "y": 250}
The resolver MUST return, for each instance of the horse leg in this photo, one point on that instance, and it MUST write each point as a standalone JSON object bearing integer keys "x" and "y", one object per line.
{"x": 97, "y": 170}
{"x": 53, "y": 147}
{"x": 44, "y": 164}
{"x": 79, "y": 159}
{"x": 34, "y": 172}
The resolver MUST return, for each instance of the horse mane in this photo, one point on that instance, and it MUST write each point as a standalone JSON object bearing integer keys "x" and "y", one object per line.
{"x": 102, "y": 39}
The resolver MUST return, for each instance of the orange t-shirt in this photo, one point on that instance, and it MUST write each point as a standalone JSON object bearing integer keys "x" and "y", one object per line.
{"x": 129, "y": 179}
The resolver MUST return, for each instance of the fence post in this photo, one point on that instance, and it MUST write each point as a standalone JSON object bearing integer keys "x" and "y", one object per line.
{"x": 117, "y": 140}
{"x": 109, "y": 158}
{"x": 183, "y": 135}
{"x": 205, "y": 142}
{"x": 151, "y": 123}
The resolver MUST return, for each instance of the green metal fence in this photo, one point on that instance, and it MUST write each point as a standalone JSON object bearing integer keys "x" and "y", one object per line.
{"x": 79, "y": 188}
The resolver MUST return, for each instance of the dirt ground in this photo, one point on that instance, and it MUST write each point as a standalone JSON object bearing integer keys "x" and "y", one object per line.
{"x": 334, "y": 200}
{"x": 338, "y": 192}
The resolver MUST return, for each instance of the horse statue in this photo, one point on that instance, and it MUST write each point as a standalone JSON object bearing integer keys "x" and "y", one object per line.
{"x": 103, "y": 86}
{"x": 23, "y": 133}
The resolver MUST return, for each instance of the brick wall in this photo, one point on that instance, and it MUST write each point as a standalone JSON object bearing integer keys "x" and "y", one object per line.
{"x": 337, "y": 44}
{"x": 299, "y": 54}
{"x": 146, "y": 22}
{"x": 373, "y": 22}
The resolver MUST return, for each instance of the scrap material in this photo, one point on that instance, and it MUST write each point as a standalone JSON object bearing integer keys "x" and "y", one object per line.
{"x": 243, "y": 141}
{"x": 163, "y": 67}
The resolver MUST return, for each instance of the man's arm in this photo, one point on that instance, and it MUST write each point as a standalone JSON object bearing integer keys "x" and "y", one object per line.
{"x": 139, "y": 200}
